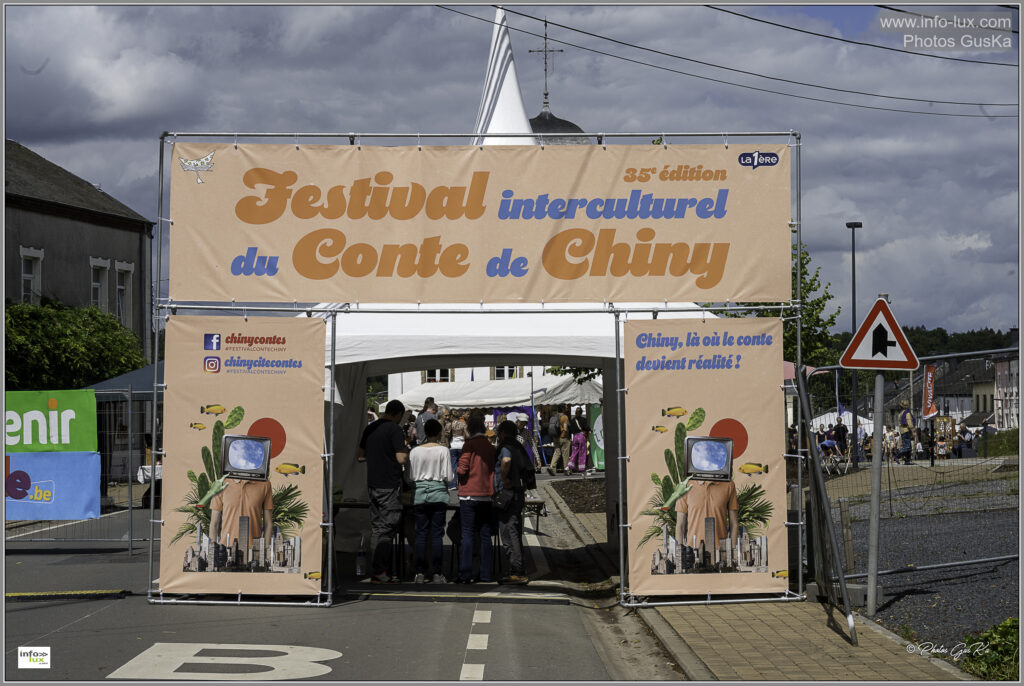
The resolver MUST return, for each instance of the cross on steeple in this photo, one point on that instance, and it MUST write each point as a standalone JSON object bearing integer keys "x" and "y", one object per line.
{"x": 546, "y": 50}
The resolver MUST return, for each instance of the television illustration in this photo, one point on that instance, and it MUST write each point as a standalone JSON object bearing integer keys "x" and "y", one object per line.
{"x": 709, "y": 458}
{"x": 245, "y": 457}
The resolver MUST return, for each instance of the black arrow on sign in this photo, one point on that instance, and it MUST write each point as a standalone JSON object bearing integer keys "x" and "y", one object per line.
{"x": 880, "y": 342}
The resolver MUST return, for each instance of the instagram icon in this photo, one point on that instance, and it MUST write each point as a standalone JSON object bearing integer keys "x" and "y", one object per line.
{"x": 211, "y": 364}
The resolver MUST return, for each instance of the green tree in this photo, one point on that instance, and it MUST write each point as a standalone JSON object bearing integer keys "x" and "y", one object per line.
{"x": 817, "y": 341}
{"x": 580, "y": 374}
{"x": 52, "y": 346}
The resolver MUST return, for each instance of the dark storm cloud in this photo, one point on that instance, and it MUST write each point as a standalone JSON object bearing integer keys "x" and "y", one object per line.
{"x": 938, "y": 196}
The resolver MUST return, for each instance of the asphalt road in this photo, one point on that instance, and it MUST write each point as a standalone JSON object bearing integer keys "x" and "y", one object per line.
{"x": 361, "y": 640}
{"x": 560, "y": 628}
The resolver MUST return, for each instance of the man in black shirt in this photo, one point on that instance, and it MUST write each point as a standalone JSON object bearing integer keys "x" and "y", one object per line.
{"x": 841, "y": 432}
{"x": 382, "y": 448}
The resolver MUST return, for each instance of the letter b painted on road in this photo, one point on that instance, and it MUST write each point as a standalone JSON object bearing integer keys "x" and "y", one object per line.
{"x": 162, "y": 660}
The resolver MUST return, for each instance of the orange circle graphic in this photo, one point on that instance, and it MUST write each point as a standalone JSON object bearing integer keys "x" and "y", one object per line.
{"x": 272, "y": 429}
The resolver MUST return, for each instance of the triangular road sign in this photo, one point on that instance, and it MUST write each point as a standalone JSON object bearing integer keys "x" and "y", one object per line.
{"x": 879, "y": 343}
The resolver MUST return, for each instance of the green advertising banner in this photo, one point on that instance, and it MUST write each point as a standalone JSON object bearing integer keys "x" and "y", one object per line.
{"x": 50, "y": 421}
{"x": 596, "y": 435}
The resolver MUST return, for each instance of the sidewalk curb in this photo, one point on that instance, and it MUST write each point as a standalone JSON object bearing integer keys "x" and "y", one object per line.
{"x": 674, "y": 644}
{"x": 687, "y": 660}
{"x": 940, "y": 663}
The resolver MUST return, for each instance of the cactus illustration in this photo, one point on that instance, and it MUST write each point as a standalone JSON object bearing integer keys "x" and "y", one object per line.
{"x": 235, "y": 418}
{"x": 672, "y": 486}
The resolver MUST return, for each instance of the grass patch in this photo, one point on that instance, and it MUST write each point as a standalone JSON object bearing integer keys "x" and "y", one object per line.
{"x": 994, "y": 655}
{"x": 1002, "y": 443}
{"x": 906, "y": 633}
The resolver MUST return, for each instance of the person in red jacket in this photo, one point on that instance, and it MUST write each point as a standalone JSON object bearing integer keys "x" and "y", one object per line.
{"x": 475, "y": 475}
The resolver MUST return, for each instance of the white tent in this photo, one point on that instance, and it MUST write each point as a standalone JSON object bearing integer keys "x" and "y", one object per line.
{"x": 547, "y": 390}
{"x": 830, "y": 418}
{"x": 501, "y": 103}
{"x": 398, "y": 338}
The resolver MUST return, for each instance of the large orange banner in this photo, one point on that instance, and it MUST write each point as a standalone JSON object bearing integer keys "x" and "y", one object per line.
{"x": 572, "y": 223}
{"x": 243, "y": 433}
{"x": 706, "y": 477}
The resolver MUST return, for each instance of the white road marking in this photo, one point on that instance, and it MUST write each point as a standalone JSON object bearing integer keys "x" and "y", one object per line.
{"x": 472, "y": 673}
{"x": 162, "y": 660}
{"x": 477, "y": 642}
{"x": 539, "y": 562}
{"x": 482, "y": 617}
{"x": 60, "y": 628}
{"x": 58, "y": 526}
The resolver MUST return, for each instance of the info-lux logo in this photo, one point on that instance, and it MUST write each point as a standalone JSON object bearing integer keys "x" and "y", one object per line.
{"x": 34, "y": 657}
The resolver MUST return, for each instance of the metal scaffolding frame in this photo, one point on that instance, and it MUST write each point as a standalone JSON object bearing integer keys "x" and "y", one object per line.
{"x": 163, "y": 306}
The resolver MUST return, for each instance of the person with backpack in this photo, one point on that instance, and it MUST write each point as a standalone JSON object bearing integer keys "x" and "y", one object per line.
{"x": 908, "y": 434}
{"x": 512, "y": 479}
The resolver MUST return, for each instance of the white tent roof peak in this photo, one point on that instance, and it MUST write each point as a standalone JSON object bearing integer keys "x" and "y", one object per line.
{"x": 501, "y": 104}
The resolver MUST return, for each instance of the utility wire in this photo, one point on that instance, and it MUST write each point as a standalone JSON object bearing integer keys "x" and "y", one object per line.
{"x": 763, "y": 76}
{"x": 928, "y": 16}
{"x": 730, "y": 83}
{"x": 854, "y": 42}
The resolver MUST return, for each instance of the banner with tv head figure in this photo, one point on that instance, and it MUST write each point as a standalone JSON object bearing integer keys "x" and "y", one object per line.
{"x": 243, "y": 435}
{"x": 706, "y": 476}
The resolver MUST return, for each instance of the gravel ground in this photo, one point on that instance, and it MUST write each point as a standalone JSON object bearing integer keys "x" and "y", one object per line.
{"x": 581, "y": 495}
{"x": 977, "y": 496}
{"x": 944, "y": 605}
{"x": 940, "y": 605}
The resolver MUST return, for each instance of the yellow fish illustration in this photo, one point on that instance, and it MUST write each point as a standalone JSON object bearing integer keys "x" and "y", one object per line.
{"x": 673, "y": 412}
{"x": 659, "y": 429}
{"x": 312, "y": 575}
{"x": 781, "y": 574}
{"x": 197, "y": 426}
{"x": 290, "y": 468}
{"x": 752, "y": 468}
{"x": 213, "y": 409}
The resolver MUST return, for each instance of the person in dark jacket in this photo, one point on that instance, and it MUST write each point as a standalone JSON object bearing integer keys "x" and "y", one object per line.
{"x": 514, "y": 464}
{"x": 382, "y": 447}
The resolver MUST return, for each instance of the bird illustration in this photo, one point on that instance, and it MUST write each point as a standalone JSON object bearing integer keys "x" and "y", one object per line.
{"x": 201, "y": 164}
{"x": 678, "y": 493}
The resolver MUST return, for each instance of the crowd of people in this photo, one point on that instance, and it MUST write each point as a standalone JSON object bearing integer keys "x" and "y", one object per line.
{"x": 901, "y": 444}
{"x": 414, "y": 461}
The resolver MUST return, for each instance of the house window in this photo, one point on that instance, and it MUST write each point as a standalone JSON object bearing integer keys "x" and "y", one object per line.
{"x": 437, "y": 375}
{"x": 502, "y": 373}
{"x": 31, "y": 275}
{"x": 123, "y": 299}
{"x": 100, "y": 271}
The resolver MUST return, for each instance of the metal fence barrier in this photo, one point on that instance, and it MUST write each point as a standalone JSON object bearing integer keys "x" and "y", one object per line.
{"x": 123, "y": 432}
{"x": 946, "y": 507}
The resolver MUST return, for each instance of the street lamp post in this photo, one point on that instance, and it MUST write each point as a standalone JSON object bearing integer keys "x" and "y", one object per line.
{"x": 853, "y": 226}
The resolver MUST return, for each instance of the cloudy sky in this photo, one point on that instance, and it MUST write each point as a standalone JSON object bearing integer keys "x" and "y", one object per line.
{"x": 92, "y": 89}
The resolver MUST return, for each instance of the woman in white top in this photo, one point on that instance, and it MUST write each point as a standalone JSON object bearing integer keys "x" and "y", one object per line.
{"x": 429, "y": 471}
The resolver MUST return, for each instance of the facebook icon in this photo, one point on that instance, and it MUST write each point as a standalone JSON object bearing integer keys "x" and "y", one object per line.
{"x": 211, "y": 341}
